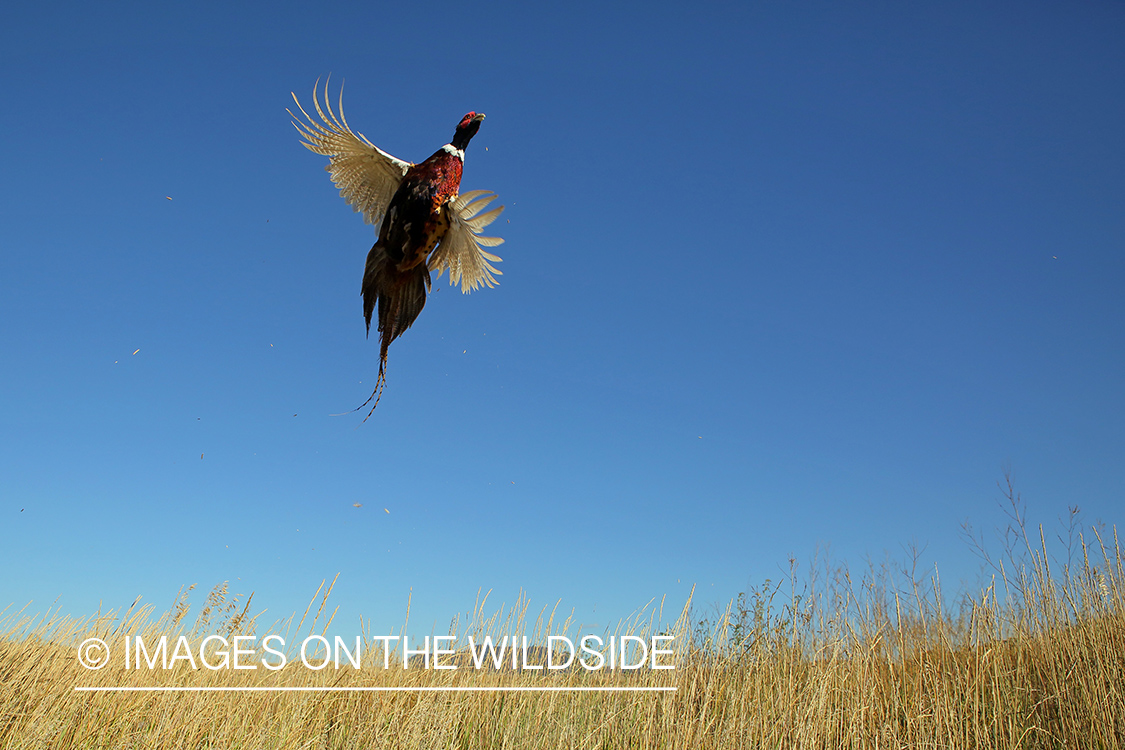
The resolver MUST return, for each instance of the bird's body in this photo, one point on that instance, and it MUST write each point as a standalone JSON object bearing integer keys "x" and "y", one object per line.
{"x": 423, "y": 222}
{"x": 417, "y": 204}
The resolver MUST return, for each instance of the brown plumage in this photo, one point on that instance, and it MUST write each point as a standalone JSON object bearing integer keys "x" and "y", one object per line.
{"x": 423, "y": 223}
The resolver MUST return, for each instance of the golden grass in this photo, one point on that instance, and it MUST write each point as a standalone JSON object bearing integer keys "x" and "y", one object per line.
{"x": 1036, "y": 659}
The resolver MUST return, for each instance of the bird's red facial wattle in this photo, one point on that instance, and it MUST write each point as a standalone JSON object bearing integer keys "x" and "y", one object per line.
{"x": 470, "y": 118}
{"x": 466, "y": 129}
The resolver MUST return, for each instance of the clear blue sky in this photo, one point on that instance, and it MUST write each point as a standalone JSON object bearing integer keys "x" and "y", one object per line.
{"x": 775, "y": 277}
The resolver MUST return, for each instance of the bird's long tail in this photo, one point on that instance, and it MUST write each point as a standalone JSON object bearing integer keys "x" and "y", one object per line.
{"x": 400, "y": 296}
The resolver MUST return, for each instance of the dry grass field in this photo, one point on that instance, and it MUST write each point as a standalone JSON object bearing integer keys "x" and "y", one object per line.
{"x": 1034, "y": 659}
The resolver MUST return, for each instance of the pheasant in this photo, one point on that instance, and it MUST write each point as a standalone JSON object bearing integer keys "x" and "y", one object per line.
{"x": 423, "y": 223}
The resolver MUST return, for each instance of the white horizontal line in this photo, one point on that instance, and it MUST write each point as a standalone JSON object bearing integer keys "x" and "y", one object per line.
{"x": 286, "y": 689}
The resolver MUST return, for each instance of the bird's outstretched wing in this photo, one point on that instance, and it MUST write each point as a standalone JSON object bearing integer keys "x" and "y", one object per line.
{"x": 462, "y": 250}
{"x": 366, "y": 175}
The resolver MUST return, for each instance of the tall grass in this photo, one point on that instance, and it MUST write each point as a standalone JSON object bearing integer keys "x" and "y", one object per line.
{"x": 1034, "y": 658}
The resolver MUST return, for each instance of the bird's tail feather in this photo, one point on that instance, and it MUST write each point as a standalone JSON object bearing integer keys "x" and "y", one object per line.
{"x": 400, "y": 296}
{"x": 378, "y": 392}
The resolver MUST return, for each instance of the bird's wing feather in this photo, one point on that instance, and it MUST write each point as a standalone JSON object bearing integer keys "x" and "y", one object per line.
{"x": 366, "y": 175}
{"x": 461, "y": 251}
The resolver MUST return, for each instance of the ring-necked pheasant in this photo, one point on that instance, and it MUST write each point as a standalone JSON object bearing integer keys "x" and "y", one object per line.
{"x": 422, "y": 222}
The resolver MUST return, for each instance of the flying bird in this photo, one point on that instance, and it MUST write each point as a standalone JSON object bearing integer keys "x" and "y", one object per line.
{"x": 422, "y": 220}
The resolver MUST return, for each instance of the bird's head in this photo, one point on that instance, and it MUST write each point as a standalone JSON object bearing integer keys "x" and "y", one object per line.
{"x": 466, "y": 129}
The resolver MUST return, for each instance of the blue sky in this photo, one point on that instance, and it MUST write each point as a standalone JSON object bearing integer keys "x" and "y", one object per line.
{"x": 775, "y": 278}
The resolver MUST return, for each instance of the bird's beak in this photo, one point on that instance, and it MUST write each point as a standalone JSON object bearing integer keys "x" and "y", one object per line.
{"x": 478, "y": 118}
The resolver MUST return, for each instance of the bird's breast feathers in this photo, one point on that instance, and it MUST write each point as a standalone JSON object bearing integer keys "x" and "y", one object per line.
{"x": 442, "y": 170}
